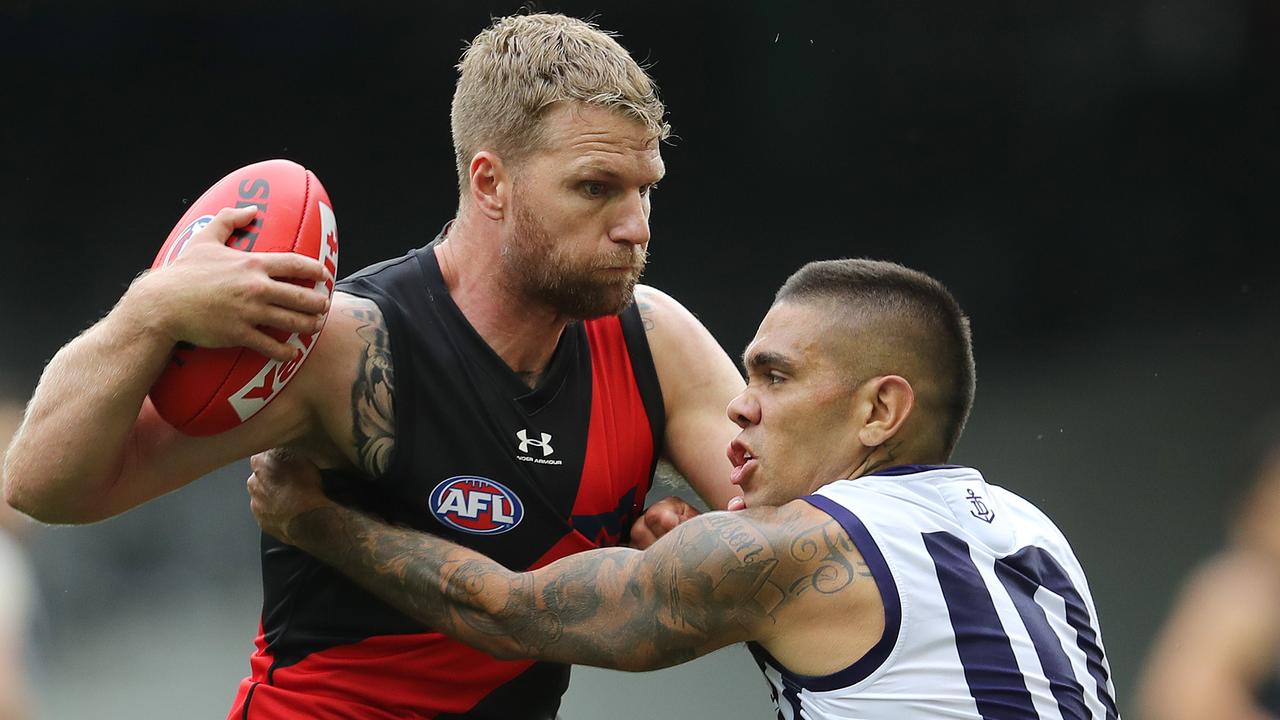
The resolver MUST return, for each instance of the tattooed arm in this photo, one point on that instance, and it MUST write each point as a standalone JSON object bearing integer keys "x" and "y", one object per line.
{"x": 715, "y": 580}
{"x": 372, "y": 391}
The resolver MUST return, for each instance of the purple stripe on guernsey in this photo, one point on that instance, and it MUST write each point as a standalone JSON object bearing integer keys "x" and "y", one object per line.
{"x": 790, "y": 691}
{"x": 763, "y": 660}
{"x": 911, "y": 469}
{"x": 990, "y": 667}
{"x": 875, "y": 657}
{"x": 1021, "y": 573}
{"x": 1021, "y": 585}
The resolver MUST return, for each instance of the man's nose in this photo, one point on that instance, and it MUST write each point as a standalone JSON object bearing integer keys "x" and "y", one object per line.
{"x": 632, "y": 223}
{"x": 743, "y": 410}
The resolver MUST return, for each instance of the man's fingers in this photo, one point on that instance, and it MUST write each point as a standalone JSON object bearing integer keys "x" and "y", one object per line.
{"x": 289, "y": 321}
{"x": 294, "y": 297}
{"x": 641, "y": 536}
{"x": 661, "y": 520}
{"x": 291, "y": 265}
{"x": 260, "y": 462}
{"x": 263, "y": 344}
{"x": 226, "y": 221}
{"x": 282, "y": 455}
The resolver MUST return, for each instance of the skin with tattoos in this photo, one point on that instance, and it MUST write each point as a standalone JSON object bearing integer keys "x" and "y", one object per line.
{"x": 372, "y": 392}
{"x": 718, "y": 579}
{"x": 860, "y": 567}
{"x": 782, "y": 572}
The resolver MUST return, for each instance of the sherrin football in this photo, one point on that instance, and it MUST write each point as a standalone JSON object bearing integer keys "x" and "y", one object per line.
{"x": 205, "y": 391}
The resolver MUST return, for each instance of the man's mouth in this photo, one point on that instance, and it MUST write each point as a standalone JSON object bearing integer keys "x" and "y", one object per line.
{"x": 744, "y": 461}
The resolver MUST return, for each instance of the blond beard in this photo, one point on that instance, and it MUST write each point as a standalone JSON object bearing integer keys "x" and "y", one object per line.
{"x": 546, "y": 274}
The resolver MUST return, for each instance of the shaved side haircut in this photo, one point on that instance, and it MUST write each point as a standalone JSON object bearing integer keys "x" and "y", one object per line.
{"x": 897, "y": 296}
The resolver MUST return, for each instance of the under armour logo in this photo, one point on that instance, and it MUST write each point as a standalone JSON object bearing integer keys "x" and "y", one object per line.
{"x": 526, "y": 441}
{"x": 980, "y": 509}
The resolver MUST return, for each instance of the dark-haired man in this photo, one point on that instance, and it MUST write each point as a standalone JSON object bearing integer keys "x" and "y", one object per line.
{"x": 871, "y": 579}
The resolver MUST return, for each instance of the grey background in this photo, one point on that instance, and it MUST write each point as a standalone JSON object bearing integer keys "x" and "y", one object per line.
{"x": 1094, "y": 180}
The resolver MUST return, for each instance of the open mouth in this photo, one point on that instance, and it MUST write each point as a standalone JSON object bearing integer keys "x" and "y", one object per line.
{"x": 744, "y": 462}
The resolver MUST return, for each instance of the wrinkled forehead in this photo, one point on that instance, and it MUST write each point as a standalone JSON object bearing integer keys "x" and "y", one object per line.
{"x": 578, "y": 133}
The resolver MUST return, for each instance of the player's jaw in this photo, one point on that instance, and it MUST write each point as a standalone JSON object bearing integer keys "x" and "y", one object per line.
{"x": 549, "y": 273}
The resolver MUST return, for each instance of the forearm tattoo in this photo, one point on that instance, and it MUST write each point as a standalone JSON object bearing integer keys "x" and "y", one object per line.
{"x": 713, "y": 581}
{"x": 372, "y": 401}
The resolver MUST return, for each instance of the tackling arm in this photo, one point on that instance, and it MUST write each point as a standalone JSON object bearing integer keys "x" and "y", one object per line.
{"x": 718, "y": 579}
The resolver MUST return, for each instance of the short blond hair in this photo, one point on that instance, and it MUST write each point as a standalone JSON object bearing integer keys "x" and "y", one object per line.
{"x": 513, "y": 72}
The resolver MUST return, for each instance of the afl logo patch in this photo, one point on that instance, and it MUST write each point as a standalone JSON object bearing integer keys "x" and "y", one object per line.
{"x": 180, "y": 242}
{"x": 476, "y": 505}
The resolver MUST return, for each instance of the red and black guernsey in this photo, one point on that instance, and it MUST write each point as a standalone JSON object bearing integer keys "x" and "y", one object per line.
{"x": 523, "y": 476}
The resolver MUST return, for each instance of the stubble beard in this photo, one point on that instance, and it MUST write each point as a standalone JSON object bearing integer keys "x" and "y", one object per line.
{"x": 548, "y": 276}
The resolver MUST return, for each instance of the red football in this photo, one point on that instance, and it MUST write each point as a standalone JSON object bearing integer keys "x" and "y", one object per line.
{"x": 204, "y": 391}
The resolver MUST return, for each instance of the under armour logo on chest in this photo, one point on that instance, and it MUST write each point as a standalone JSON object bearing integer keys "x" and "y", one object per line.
{"x": 526, "y": 441}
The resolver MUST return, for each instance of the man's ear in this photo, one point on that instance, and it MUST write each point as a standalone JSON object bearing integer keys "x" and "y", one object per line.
{"x": 490, "y": 184}
{"x": 889, "y": 401}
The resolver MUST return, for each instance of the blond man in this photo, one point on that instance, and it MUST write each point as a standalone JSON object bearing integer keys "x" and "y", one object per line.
{"x": 508, "y": 385}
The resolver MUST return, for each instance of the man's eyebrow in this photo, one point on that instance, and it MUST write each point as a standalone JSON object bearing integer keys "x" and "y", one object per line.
{"x": 592, "y": 167}
{"x": 595, "y": 168}
{"x": 765, "y": 359}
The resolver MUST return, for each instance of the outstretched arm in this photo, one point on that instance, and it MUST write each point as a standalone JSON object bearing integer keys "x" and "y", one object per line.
{"x": 718, "y": 579}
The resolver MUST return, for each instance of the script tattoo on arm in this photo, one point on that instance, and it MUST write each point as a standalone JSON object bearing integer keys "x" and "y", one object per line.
{"x": 372, "y": 401}
{"x": 713, "y": 581}
{"x": 832, "y": 555}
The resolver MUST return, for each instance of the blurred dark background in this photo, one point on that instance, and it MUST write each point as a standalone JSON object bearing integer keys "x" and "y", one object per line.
{"x": 1094, "y": 180}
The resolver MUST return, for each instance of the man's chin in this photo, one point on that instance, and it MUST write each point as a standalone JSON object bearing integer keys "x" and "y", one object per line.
{"x": 596, "y": 302}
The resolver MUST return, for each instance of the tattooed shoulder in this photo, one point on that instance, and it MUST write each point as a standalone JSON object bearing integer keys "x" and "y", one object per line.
{"x": 760, "y": 562}
{"x": 644, "y": 304}
{"x": 372, "y": 393}
{"x": 824, "y": 557}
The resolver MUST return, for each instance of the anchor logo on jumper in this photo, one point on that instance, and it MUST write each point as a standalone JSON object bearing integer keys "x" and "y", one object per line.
{"x": 526, "y": 441}
{"x": 980, "y": 509}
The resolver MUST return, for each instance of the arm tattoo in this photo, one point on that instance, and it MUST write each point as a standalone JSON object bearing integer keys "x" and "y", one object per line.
{"x": 830, "y": 551}
{"x": 713, "y": 581}
{"x": 372, "y": 402}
